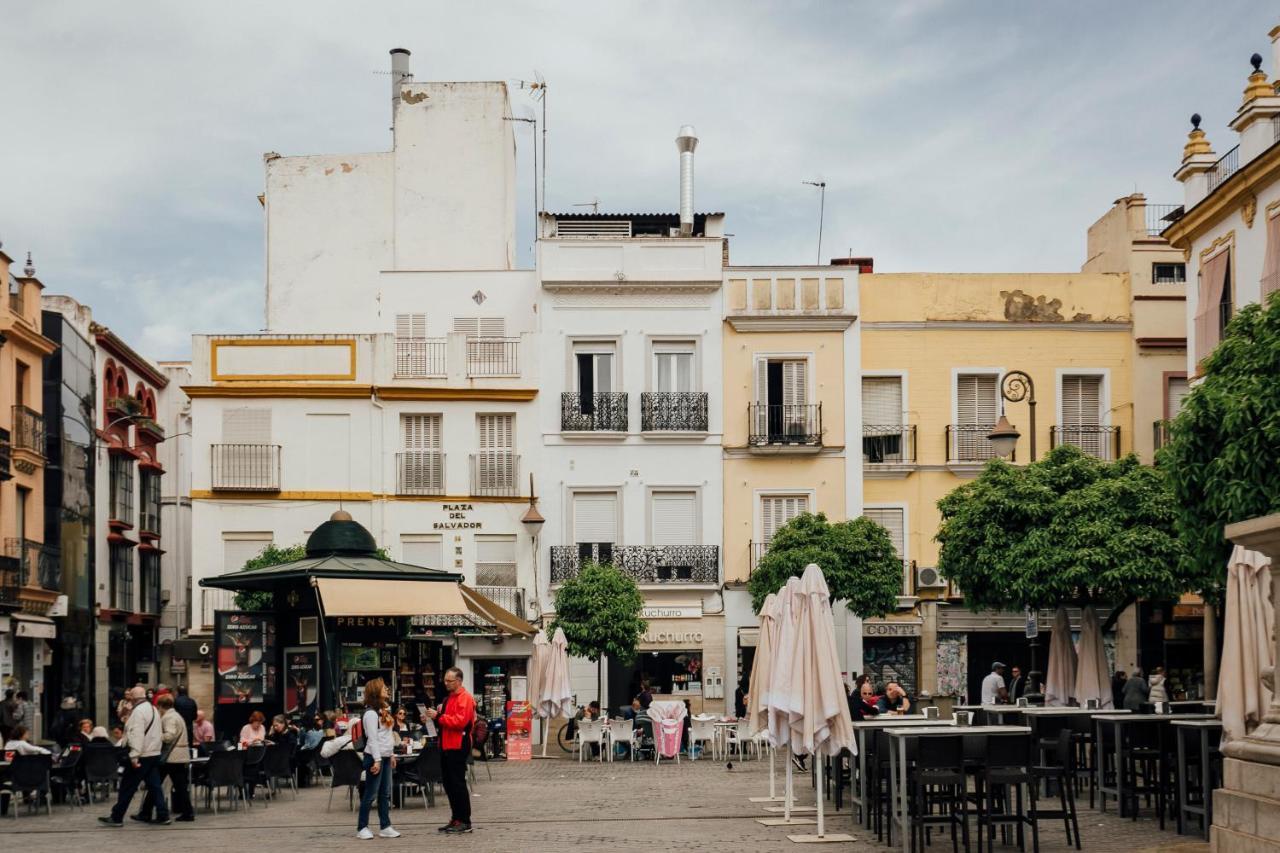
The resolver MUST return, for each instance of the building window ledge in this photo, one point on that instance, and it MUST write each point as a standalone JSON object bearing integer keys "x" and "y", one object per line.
{"x": 887, "y": 470}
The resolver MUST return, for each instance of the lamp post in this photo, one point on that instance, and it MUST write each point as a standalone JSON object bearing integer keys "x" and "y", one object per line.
{"x": 533, "y": 521}
{"x": 1016, "y": 386}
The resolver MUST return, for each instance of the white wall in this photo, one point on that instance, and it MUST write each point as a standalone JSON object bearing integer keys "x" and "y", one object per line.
{"x": 175, "y": 496}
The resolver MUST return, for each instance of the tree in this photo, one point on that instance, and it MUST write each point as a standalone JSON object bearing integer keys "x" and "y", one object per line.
{"x": 857, "y": 558}
{"x": 1223, "y": 454}
{"x": 273, "y": 555}
{"x": 1069, "y": 529}
{"x": 599, "y": 611}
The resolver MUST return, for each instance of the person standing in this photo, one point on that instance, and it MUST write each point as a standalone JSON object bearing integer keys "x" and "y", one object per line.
{"x": 455, "y": 718}
{"x": 8, "y": 714}
{"x": 144, "y": 739}
{"x": 1117, "y": 689}
{"x": 1159, "y": 692}
{"x": 379, "y": 760}
{"x": 176, "y": 755}
{"x": 993, "y": 685}
{"x": 187, "y": 709}
{"x": 1136, "y": 691}
{"x": 1017, "y": 684}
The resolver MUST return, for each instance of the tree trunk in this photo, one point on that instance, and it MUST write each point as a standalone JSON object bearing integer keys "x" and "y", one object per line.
{"x": 600, "y": 678}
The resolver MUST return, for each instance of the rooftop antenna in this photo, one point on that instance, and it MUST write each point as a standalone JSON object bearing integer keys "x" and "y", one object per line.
{"x": 539, "y": 90}
{"x": 534, "y": 145}
{"x": 822, "y": 209}
{"x": 594, "y": 204}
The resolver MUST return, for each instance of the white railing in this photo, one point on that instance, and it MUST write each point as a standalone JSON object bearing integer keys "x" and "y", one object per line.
{"x": 419, "y": 358}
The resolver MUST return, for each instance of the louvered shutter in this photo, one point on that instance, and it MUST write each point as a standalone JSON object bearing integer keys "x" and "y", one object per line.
{"x": 492, "y": 327}
{"x": 411, "y": 326}
{"x": 469, "y": 326}
{"x": 795, "y": 386}
{"x": 1081, "y": 413}
{"x": 411, "y": 346}
{"x": 423, "y": 460}
{"x": 777, "y": 511}
{"x": 674, "y": 518}
{"x": 496, "y": 461}
{"x": 595, "y": 517}
{"x": 892, "y": 521}
{"x": 1179, "y": 388}
{"x": 248, "y": 461}
{"x": 881, "y": 401}
{"x": 762, "y": 398}
{"x": 976, "y": 413}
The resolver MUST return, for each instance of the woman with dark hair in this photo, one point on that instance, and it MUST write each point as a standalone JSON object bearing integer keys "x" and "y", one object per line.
{"x": 379, "y": 759}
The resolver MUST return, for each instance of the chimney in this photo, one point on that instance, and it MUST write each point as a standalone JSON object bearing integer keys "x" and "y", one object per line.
{"x": 864, "y": 265}
{"x": 400, "y": 73}
{"x": 685, "y": 143}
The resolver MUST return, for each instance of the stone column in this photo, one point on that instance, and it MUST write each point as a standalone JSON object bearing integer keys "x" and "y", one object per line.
{"x": 1246, "y": 809}
{"x": 1211, "y": 653}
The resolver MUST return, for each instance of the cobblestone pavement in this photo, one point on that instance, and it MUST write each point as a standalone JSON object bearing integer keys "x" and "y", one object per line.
{"x": 551, "y": 805}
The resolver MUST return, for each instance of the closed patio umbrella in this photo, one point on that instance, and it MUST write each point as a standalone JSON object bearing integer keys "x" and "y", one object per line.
{"x": 1060, "y": 686}
{"x": 758, "y": 686}
{"x": 537, "y": 668}
{"x": 555, "y": 694}
{"x": 785, "y": 696}
{"x": 1092, "y": 679}
{"x": 1248, "y": 625}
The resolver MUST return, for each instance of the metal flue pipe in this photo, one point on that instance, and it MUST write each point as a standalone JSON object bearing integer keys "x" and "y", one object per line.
{"x": 686, "y": 142}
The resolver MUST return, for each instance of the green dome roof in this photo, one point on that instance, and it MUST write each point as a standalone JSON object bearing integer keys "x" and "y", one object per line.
{"x": 341, "y": 535}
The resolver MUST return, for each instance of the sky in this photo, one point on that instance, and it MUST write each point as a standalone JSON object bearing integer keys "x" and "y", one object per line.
{"x": 953, "y": 136}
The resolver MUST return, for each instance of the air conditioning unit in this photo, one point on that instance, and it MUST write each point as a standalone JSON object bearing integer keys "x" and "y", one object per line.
{"x": 308, "y": 630}
{"x": 928, "y": 577}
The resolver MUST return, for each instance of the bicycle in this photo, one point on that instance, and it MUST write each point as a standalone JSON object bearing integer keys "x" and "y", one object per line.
{"x": 567, "y": 737}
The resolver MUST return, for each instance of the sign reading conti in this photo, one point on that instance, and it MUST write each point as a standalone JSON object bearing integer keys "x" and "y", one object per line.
{"x": 892, "y": 629}
{"x": 667, "y": 638}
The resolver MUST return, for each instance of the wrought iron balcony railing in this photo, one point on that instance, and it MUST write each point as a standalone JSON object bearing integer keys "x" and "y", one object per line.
{"x": 604, "y": 411}
{"x": 6, "y": 456}
{"x": 28, "y": 430}
{"x": 36, "y": 564}
{"x": 969, "y": 443}
{"x": 9, "y": 583}
{"x": 1095, "y": 440}
{"x": 645, "y": 564}
{"x": 246, "y": 467}
{"x": 755, "y": 550}
{"x": 509, "y": 598}
{"x": 493, "y": 356}
{"x": 421, "y": 358}
{"x": 888, "y": 444}
{"x": 1159, "y": 434}
{"x": 673, "y": 411}
{"x": 1157, "y": 217}
{"x": 770, "y": 424}
{"x": 420, "y": 472}
{"x": 1228, "y": 164}
{"x": 495, "y": 473}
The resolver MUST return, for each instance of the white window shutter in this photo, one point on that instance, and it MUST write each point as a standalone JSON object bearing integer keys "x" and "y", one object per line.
{"x": 495, "y": 549}
{"x": 422, "y": 550}
{"x": 778, "y": 510}
{"x": 492, "y": 327}
{"x": 881, "y": 401}
{"x": 976, "y": 406}
{"x": 469, "y": 326}
{"x": 411, "y": 326}
{"x": 1082, "y": 413}
{"x": 891, "y": 519}
{"x": 595, "y": 517}
{"x": 795, "y": 385}
{"x": 1179, "y": 388}
{"x": 674, "y": 518}
{"x": 246, "y": 426}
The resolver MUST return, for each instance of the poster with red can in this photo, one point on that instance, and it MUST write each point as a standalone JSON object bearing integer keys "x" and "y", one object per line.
{"x": 519, "y": 731}
{"x": 246, "y": 657}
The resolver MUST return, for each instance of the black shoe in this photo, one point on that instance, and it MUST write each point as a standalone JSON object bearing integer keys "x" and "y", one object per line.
{"x": 448, "y": 826}
{"x": 140, "y": 818}
{"x": 162, "y": 822}
{"x": 798, "y": 761}
{"x": 110, "y": 821}
{"x": 185, "y": 818}
{"x": 458, "y": 828}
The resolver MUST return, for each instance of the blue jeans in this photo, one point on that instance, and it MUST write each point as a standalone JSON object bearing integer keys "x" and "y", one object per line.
{"x": 147, "y": 772}
{"x": 378, "y": 785}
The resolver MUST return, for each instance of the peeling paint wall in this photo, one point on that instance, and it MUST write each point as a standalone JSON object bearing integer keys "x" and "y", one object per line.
{"x": 986, "y": 297}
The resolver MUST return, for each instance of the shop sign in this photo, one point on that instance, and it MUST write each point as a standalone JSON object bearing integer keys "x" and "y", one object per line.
{"x": 669, "y": 638}
{"x": 36, "y": 630}
{"x": 246, "y": 657}
{"x": 673, "y": 612}
{"x": 892, "y": 629}
{"x": 1188, "y": 611}
{"x": 458, "y": 518}
{"x": 370, "y": 628}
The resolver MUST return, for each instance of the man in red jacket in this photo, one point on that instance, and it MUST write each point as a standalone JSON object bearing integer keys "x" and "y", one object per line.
{"x": 455, "y": 718}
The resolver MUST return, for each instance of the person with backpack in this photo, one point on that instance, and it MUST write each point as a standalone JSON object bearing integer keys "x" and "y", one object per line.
{"x": 456, "y": 718}
{"x": 379, "y": 759}
{"x": 144, "y": 739}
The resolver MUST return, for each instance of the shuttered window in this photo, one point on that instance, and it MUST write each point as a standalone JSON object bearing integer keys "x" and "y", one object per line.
{"x": 240, "y": 548}
{"x": 411, "y": 327}
{"x": 495, "y": 431}
{"x": 422, "y": 462}
{"x": 795, "y": 382}
{"x": 977, "y": 409}
{"x": 480, "y": 327}
{"x": 674, "y": 518}
{"x": 496, "y": 461}
{"x": 421, "y": 432}
{"x": 496, "y": 561}
{"x": 595, "y": 517}
{"x": 881, "y": 401}
{"x": 1179, "y": 388}
{"x": 246, "y": 426}
{"x": 892, "y": 520}
{"x": 1081, "y": 401}
{"x": 422, "y": 549}
{"x": 777, "y": 510}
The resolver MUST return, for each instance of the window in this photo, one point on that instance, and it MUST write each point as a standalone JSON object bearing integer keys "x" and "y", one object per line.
{"x": 246, "y": 426}
{"x": 977, "y": 409}
{"x": 673, "y": 367}
{"x": 121, "y": 560}
{"x": 240, "y": 548}
{"x": 782, "y": 413}
{"x": 496, "y": 561}
{"x": 1175, "y": 394}
{"x": 673, "y": 518}
{"x": 121, "y": 488}
{"x": 670, "y": 673}
{"x": 595, "y": 524}
{"x": 495, "y": 465}
{"x": 1270, "y": 281}
{"x": 150, "y": 501}
{"x": 246, "y": 459}
{"x": 422, "y": 461}
{"x": 882, "y": 434}
{"x": 1082, "y": 414}
{"x": 411, "y": 327}
{"x": 1213, "y": 302}
{"x": 422, "y": 549}
{"x": 777, "y": 510}
{"x": 593, "y": 365}
{"x": 480, "y": 327}
{"x": 1168, "y": 273}
{"x": 149, "y": 580}
{"x": 893, "y": 520}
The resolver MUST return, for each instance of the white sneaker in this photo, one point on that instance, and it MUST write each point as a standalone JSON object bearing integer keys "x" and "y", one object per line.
{"x": 365, "y": 834}
{"x": 389, "y": 832}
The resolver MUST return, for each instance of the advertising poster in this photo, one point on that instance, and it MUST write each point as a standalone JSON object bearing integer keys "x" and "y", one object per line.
{"x": 301, "y": 680}
{"x": 246, "y": 657}
{"x": 519, "y": 731}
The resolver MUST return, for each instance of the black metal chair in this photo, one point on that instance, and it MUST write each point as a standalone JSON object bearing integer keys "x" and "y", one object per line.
{"x": 1061, "y": 770}
{"x": 277, "y": 764}
{"x": 224, "y": 770}
{"x": 30, "y": 775}
{"x": 347, "y": 767}
{"x": 1004, "y": 779}
{"x": 101, "y": 766}
{"x": 1145, "y": 760}
{"x": 409, "y": 776}
{"x": 939, "y": 780}
{"x": 64, "y": 778}
{"x": 255, "y": 773}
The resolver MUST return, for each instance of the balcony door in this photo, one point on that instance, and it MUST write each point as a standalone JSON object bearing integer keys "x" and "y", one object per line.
{"x": 1082, "y": 414}
{"x": 496, "y": 461}
{"x": 881, "y": 419}
{"x": 977, "y": 409}
{"x": 673, "y": 368}
{"x": 593, "y": 366}
{"x": 782, "y": 397}
{"x": 422, "y": 462}
{"x": 777, "y": 510}
{"x": 595, "y": 525}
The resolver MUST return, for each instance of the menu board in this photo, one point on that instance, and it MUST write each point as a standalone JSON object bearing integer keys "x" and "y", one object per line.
{"x": 246, "y": 657}
{"x": 301, "y": 680}
{"x": 519, "y": 726}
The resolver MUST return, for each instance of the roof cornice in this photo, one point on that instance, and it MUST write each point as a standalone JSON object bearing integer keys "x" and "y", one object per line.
{"x": 108, "y": 340}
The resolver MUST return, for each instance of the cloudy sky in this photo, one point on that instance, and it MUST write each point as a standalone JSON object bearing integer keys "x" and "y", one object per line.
{"x": 962, "y": 136}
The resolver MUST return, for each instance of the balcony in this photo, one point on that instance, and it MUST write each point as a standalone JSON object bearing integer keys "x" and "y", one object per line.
{"x": 673, "y": 411}
{"x": 9, "y": 583}
{"x": 421, "y": 358}
{"x": 1157, "y": 217}
{"x": 28, "y": 430}
{"x": 968, "y": 444}
{"x": 755, "y": 551}
{"x": 798, "y": 427}
{"x": 1228, "y": 164}
{"x": 509, "y": 598}
{"x": 495, "y": 473}
{"x": 605, "y": 411}
{"x": 660, "y": 565}
{"x": 888, "y": 444}
{"x": 1159, "y": 434}
{"x": 1099, "y": 441}
{"x": 36, "y": 565}
{"x": 420, "y": 472}
{"x": 246, "y": 467}
{"x": 6, "y": 456}
{"x": 493, "y": 357}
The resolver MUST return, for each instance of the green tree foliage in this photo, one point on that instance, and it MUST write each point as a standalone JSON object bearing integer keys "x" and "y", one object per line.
{"x": 599, "y": 610}
{"x": 856, "y": 557}
{"x": 1223, "y": 455}
{"x": 1069, "y": 529}
{"x": 273, "y": 555}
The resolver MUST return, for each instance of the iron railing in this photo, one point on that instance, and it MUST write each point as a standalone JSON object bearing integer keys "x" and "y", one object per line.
{"x": 888, "y": 444}
{"x": 28, "y": 430}
{"x": 493, "y": 356}
{"x": 1228, "y": 164}
{"x": 770, "y": 424}
{"x": 6, "y": 456}
{"x": 246, "y": 467}
{"x": 1159, "y": 434}
{"x": 421, "y": 358}
{"x": 1155, "y": 216}
{"x": 16, "y": 302}
{"x": 36, "y": 564}
{"x": 495, "y": 473}
{"x": 9, "y": 582}
{"x": 1096, "y": 440}
{"x": 420, "y": 472}
{"x": 509, "y": 598}
{"x": 969, "y": 443}
{"x": 755, "y": 551}
{"x": 673, "y": 411}
{"x": 604, "y": 411}
{"x": 646, "y": 564}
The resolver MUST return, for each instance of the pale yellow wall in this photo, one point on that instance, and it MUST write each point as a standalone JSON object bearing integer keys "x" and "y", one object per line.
{"x": 15, "y": 350}
{"x": 1150, "y": 370}
{"x": 826, "y": 383}
{"x": 984, "y": 297}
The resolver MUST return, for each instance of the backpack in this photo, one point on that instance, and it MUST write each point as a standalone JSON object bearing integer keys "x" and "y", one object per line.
{"x": 479, "y": 732}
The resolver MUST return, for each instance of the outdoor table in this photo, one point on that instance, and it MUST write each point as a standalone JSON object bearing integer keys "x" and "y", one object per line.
{"x": 900, "y": 808}
{"x": 1117, "y": 721}
{"x": 1192, "y": 706}
{"x": 860, "y": 729}
{"x": 1206, "y": 729}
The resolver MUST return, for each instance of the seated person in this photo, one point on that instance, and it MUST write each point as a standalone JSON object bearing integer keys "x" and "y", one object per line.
{"x": 85, "y": 734}
{"x": 341, "y": 741}
{"x": 282, "y": 734}
{"x": 590, "y": 711}
{"x": 895, "y": 700}
{"x": 20, "y": 742}
{"x": 99, "y": 735}
{"x": 254, "y": 731}
{"x": 632, "y": 712}
{"x": 117, "y": 736}
{"x": 863, "y": 703}
{"x": 313, "y": 737}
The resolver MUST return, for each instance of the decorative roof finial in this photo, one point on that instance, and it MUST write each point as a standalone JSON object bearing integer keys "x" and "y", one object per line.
{"x": 1195, "y": 121}
{"x": 30, "y": 269}
{"x": 1256, "y": 61}
{"x": 1257, "y": 87}
{"x": 1197, "y": 144}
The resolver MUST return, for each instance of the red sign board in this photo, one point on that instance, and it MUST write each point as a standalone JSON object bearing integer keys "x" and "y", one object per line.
{"x": 519, "y": 731}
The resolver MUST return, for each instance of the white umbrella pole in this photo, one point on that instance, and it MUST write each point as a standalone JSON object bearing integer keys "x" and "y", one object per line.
{"x": 773, "y": 790}
{"x": 817, "y": 759}
{"x": 546, "y": 734}
{"x": 786, "y": 807}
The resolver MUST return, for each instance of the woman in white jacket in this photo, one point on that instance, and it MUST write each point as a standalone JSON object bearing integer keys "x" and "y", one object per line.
{"x": 379, "y": 760}
{"x": 1158, "y": 691}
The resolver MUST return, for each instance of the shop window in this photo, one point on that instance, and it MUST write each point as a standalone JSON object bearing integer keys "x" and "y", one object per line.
{"x": 671, "y": 673}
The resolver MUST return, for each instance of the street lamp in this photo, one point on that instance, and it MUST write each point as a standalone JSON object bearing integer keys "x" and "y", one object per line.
{"x": 1015, "y": 387}
{"x": 533, "y": 521}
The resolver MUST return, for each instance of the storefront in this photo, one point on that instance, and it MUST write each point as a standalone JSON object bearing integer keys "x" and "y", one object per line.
{"x": 681, "y": 656}
{"x": 891, "y": 652}
{"x": 1171, "y": 635}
